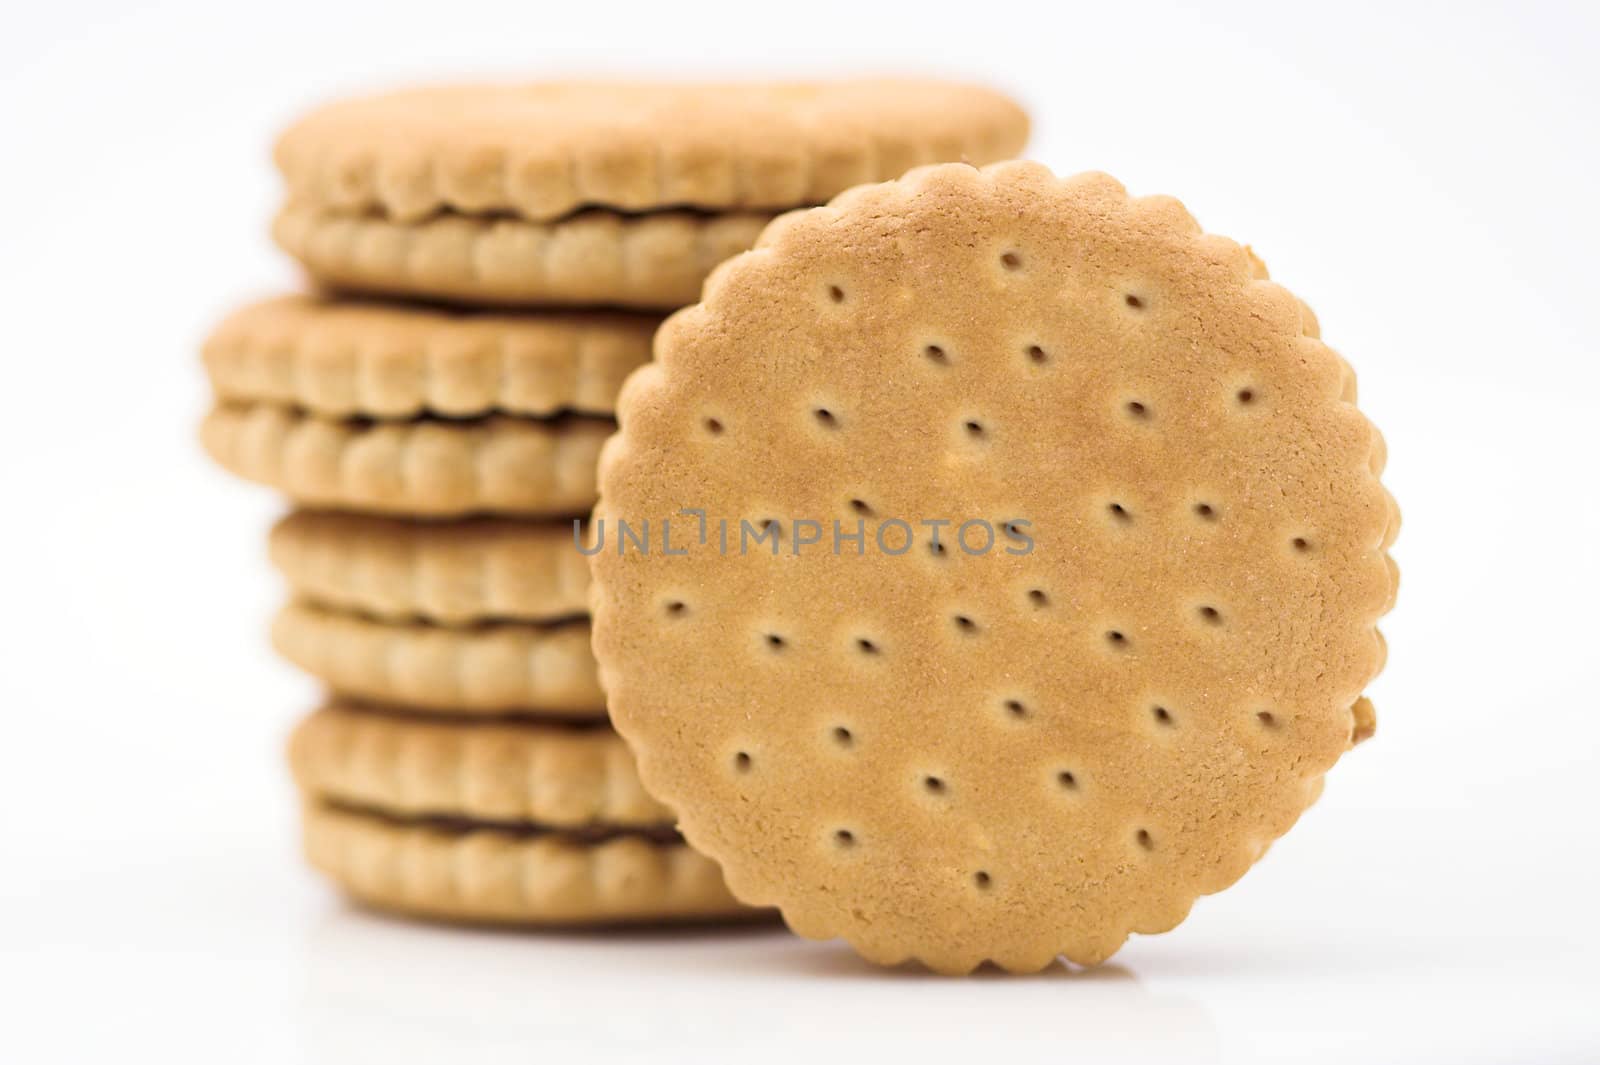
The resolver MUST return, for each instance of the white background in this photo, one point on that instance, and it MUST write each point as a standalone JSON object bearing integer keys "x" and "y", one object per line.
{"x": 1423, "y": 175}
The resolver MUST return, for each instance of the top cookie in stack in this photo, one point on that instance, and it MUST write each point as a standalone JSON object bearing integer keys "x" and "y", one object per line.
{"x": 444, "y": 609}
{"x": 597, "y": 193}
{"x": 553, "y": 196}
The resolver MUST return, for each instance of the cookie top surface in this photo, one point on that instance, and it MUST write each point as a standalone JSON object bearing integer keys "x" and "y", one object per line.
{"x": 544, "y": 150}
{"x": 1146, "y": 629}
{"x": 353, "y": 358}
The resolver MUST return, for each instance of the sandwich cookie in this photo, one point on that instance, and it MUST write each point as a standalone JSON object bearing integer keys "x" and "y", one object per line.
{"x": 403, "y": 410}
{"x": 494, "y": 823}
{"x": 615, "y": 193}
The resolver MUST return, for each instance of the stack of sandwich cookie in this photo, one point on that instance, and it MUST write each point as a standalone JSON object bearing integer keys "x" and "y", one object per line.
{"x": 457, "y": 646}
{"x": 490, "y": 264}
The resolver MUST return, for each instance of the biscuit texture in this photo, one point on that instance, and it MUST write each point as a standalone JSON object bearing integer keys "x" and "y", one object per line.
{"x": 356, "y": 359}
{"x": 456, "y": 572}
{"x": 959, "y": 751}
{"x": 426, "y": 468}
{"x": 553, "y": 775}
{"x": 541, "y": 151}
{"x": 596, "y": 258}
{"x": 503, "y": 668}
{"x": 490, "y": 876}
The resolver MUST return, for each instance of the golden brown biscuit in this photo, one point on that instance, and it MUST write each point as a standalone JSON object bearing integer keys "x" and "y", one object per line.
{"x": 499, "y": 668}
{"x": 493, "y": 822}
{"x": 597, "y": 258}
{"x": 1140, "y": 642}
{"x": 454, "y": 572}
{"x": 489, "y": 770}
{"x": 541, "y": 151}
{"x": 427, "y": 468}
{"x": 490, "y": 875}
{"x": 350, "y": 358}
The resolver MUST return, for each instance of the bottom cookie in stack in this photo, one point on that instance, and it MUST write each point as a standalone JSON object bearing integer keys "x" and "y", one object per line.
{"x": 494, "y": 822}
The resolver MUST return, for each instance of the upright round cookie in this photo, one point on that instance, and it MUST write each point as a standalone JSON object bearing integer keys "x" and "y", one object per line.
{"x": 623, "y": 194}
{"x": 1116, "y": 671}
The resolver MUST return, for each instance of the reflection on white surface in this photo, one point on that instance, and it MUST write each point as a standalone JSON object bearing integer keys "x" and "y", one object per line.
{"x": 1356, "y": 939}
{"x": 434, "y": 994}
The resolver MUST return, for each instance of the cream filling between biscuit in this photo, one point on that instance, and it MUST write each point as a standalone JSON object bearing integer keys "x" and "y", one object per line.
{"x": 379, "y": 213}
{"x": 449, "y": 824}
